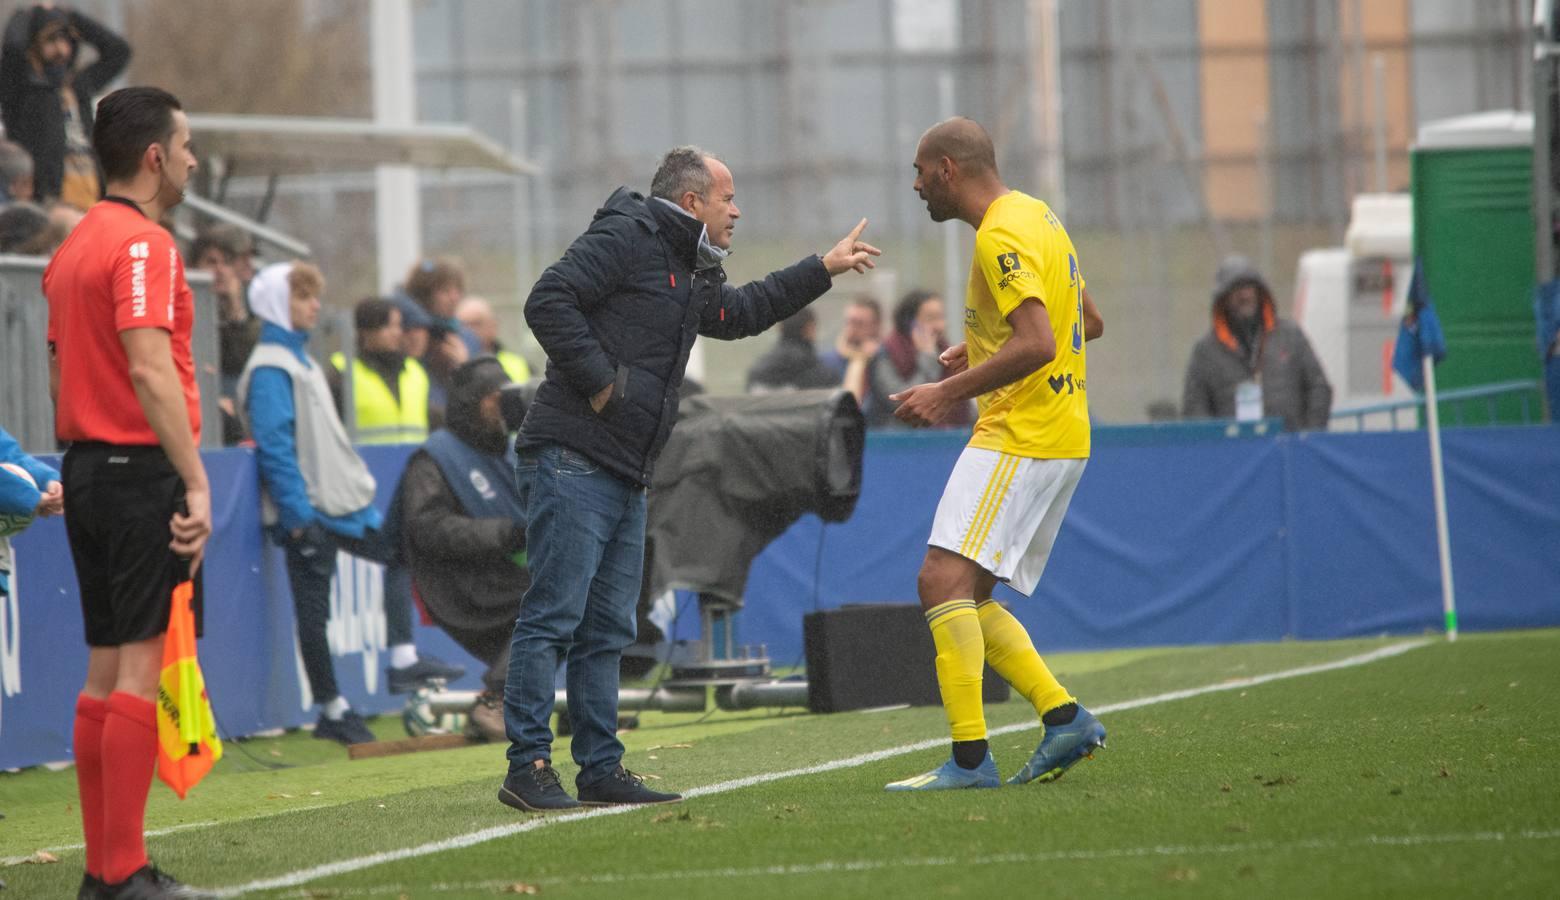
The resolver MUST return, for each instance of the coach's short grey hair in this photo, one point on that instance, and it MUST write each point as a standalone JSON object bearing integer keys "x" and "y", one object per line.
{"x": 682, "y": 169}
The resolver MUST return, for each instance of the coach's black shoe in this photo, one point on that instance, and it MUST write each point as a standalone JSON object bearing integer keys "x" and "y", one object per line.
{"x": 623, "y": 788}
{"x": 151, "y": 883}
{"x": 349, "y": 729}
{"x": 536, "y": 789}
{"x": 427, "y": 668}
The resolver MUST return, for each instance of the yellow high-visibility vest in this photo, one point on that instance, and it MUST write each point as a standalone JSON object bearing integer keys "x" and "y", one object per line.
{"x": 380, "y": 420}
{"x": 515, "y": 366}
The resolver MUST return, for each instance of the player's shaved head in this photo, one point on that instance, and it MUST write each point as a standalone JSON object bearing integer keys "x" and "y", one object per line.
{"x": 963, "y": 141}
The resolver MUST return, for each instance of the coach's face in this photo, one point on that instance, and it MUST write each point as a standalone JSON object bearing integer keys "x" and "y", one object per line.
{"x": 932, "y": 174}
{"x": 177, "y": 161}
{"x": 718, "y": 211}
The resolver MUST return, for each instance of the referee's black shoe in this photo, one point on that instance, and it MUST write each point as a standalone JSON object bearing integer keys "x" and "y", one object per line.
{"x": 151, "y": 883}
{"x": 427, "y": 668}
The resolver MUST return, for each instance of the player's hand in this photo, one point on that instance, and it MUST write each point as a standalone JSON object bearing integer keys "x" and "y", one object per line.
{"x": 956, "y": 358}
{"x": 190, "y": 530}
{"x": 922, "y": 405}
{"x": 598, "y": 401}
{"x": 851, "y": 253}
{"x": 52, "y": 503}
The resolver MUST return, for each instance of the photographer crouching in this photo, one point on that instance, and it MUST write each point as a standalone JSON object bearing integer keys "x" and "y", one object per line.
{"x": 462, "y": 532}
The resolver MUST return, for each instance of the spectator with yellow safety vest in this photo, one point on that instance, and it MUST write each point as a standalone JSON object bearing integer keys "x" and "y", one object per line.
{"x": 389, "y": 390}
{"x": 477, "y": 315}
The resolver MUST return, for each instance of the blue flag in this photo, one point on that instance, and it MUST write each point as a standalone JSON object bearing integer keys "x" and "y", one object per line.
{"x": 1419, "y": 335}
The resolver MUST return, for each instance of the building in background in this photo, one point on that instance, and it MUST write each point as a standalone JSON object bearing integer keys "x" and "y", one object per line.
{"x": 1187, "y": 128}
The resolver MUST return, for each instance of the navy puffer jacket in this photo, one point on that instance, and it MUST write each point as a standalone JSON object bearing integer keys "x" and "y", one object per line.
{"x": 622, "y": 308}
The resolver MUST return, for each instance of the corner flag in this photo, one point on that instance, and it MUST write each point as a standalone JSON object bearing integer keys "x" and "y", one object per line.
{"x": 1419, "y": 335}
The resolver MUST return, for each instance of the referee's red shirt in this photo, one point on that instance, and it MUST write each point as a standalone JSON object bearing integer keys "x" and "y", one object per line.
{"x": 117, "y": 271}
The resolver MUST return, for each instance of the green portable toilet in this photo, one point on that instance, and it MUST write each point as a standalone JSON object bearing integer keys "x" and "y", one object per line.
{"x": 1474, "y": 236}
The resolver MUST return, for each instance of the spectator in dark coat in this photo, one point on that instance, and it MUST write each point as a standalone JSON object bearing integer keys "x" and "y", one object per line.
{"x": 617, "y": 317}
{"x": 1252, "y": 352}
{"x": 463, "y": 534}
{"x": 46, "y": 102}
{"x": 792, "y": 364}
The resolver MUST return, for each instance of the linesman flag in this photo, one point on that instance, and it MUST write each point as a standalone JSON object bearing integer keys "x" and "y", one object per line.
{"x": 187, "y": 742}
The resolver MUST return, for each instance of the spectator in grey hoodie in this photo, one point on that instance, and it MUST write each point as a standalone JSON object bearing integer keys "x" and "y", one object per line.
{"x": 1254, "y": 355}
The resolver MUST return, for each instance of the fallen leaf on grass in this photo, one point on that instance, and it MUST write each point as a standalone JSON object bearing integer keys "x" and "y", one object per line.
{"x": 684, "y": 815}
{"x": 316, "y": 793}
{"x": 671, "y": 747}
{"x": 1279, "y": 781}
{"x": 1445, "y": 772}
{"x": 1226, "y": 787}
{"x": 278, "y": 796}
{"x": 42, "y": 857}
{"x": 1180, "y": 873}
{"x": 974, "y": 817}
{"x": 520, "y": 887}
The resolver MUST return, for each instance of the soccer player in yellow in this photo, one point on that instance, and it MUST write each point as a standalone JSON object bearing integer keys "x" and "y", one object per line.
{"x": 1026, "y": 318}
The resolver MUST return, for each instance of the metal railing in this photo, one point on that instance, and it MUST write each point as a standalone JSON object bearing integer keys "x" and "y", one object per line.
{"x": 1454, "y": 403}
{"x": 25, "y": 409}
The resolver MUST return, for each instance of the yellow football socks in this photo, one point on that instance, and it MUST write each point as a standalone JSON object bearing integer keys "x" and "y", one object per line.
{"x": 956, "y": 632}
{"x": 1012, "y": 655}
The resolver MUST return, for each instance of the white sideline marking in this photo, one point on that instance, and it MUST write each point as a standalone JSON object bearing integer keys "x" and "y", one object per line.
{"x": 15, "y": 860}
{"x": 870, "y": 865}
{"x": 460, "y": 841}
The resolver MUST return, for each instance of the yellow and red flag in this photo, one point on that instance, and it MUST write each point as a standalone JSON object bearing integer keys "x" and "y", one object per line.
{"x": 187, "y": 742}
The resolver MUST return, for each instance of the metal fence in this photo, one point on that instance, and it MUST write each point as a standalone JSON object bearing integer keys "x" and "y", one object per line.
{"x": 25, "y": 409}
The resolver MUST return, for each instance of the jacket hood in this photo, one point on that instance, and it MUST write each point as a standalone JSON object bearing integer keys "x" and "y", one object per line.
{"x": 270, "y": 296}
{"x": 681, "y": 232}
{"x": 1233, "y": 272}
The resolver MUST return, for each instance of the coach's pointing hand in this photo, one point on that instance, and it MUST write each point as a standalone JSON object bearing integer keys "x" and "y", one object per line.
{"x": 851, "y": 253}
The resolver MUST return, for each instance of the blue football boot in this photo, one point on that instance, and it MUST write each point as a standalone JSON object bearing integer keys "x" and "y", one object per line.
{"x": 951, "y": 776}
{"x": 1063, "y": 747}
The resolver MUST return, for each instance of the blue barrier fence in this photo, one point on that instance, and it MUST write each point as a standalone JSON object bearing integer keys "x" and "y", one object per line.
{"x": 1200, "y": 541}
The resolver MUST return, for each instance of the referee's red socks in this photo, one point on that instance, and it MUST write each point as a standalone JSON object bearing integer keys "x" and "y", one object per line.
{"x": 129, "y": 755}
{"x": 88, "y": 739}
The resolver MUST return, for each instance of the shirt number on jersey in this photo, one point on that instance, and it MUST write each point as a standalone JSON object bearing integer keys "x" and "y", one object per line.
{"x": 1073, "y": 280}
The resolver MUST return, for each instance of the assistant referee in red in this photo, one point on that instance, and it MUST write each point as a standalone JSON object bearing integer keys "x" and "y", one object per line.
{"x": 123, "y": 380}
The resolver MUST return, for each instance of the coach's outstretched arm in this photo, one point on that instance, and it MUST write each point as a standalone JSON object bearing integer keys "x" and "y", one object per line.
{"x": 1031, "y": 348}
{"x": 758, "y": 305}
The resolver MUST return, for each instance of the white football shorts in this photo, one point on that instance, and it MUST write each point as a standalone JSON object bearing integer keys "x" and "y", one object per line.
{"x": 1003, "y": 512}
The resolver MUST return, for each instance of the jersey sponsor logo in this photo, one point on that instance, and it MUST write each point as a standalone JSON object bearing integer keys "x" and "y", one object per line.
{"x": 173, "y": 266}
{"x": 971, "y": 320}
{"x": 139, "y": 251}
{"x": 1012, "y": 270}
{"x": 1058, "y": 382}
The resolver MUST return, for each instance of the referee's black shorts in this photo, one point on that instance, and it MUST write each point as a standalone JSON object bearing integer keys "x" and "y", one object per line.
{"x": 118, "y": 503}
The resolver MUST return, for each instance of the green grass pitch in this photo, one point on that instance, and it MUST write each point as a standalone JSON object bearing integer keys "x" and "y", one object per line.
{"x": 1430, "y": 773}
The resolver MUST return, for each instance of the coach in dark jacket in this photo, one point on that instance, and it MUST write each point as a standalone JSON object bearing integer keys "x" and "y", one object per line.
{"x": 617, "y": 317}
{"x": 1250, "y": 348}
{"x": 46, "y": 103}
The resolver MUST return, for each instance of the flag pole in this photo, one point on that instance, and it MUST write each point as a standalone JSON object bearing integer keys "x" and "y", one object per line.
{"x": 1438, "y": 480}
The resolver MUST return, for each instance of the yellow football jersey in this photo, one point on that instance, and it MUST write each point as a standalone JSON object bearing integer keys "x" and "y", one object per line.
{"x": 1022, "y": 251}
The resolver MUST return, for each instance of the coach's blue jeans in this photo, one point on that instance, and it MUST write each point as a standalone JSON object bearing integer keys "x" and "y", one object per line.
{"x": 585, "y": 539}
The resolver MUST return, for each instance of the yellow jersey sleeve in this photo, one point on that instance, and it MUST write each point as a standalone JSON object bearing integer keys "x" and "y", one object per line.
{"x": 1011, "y": 268}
